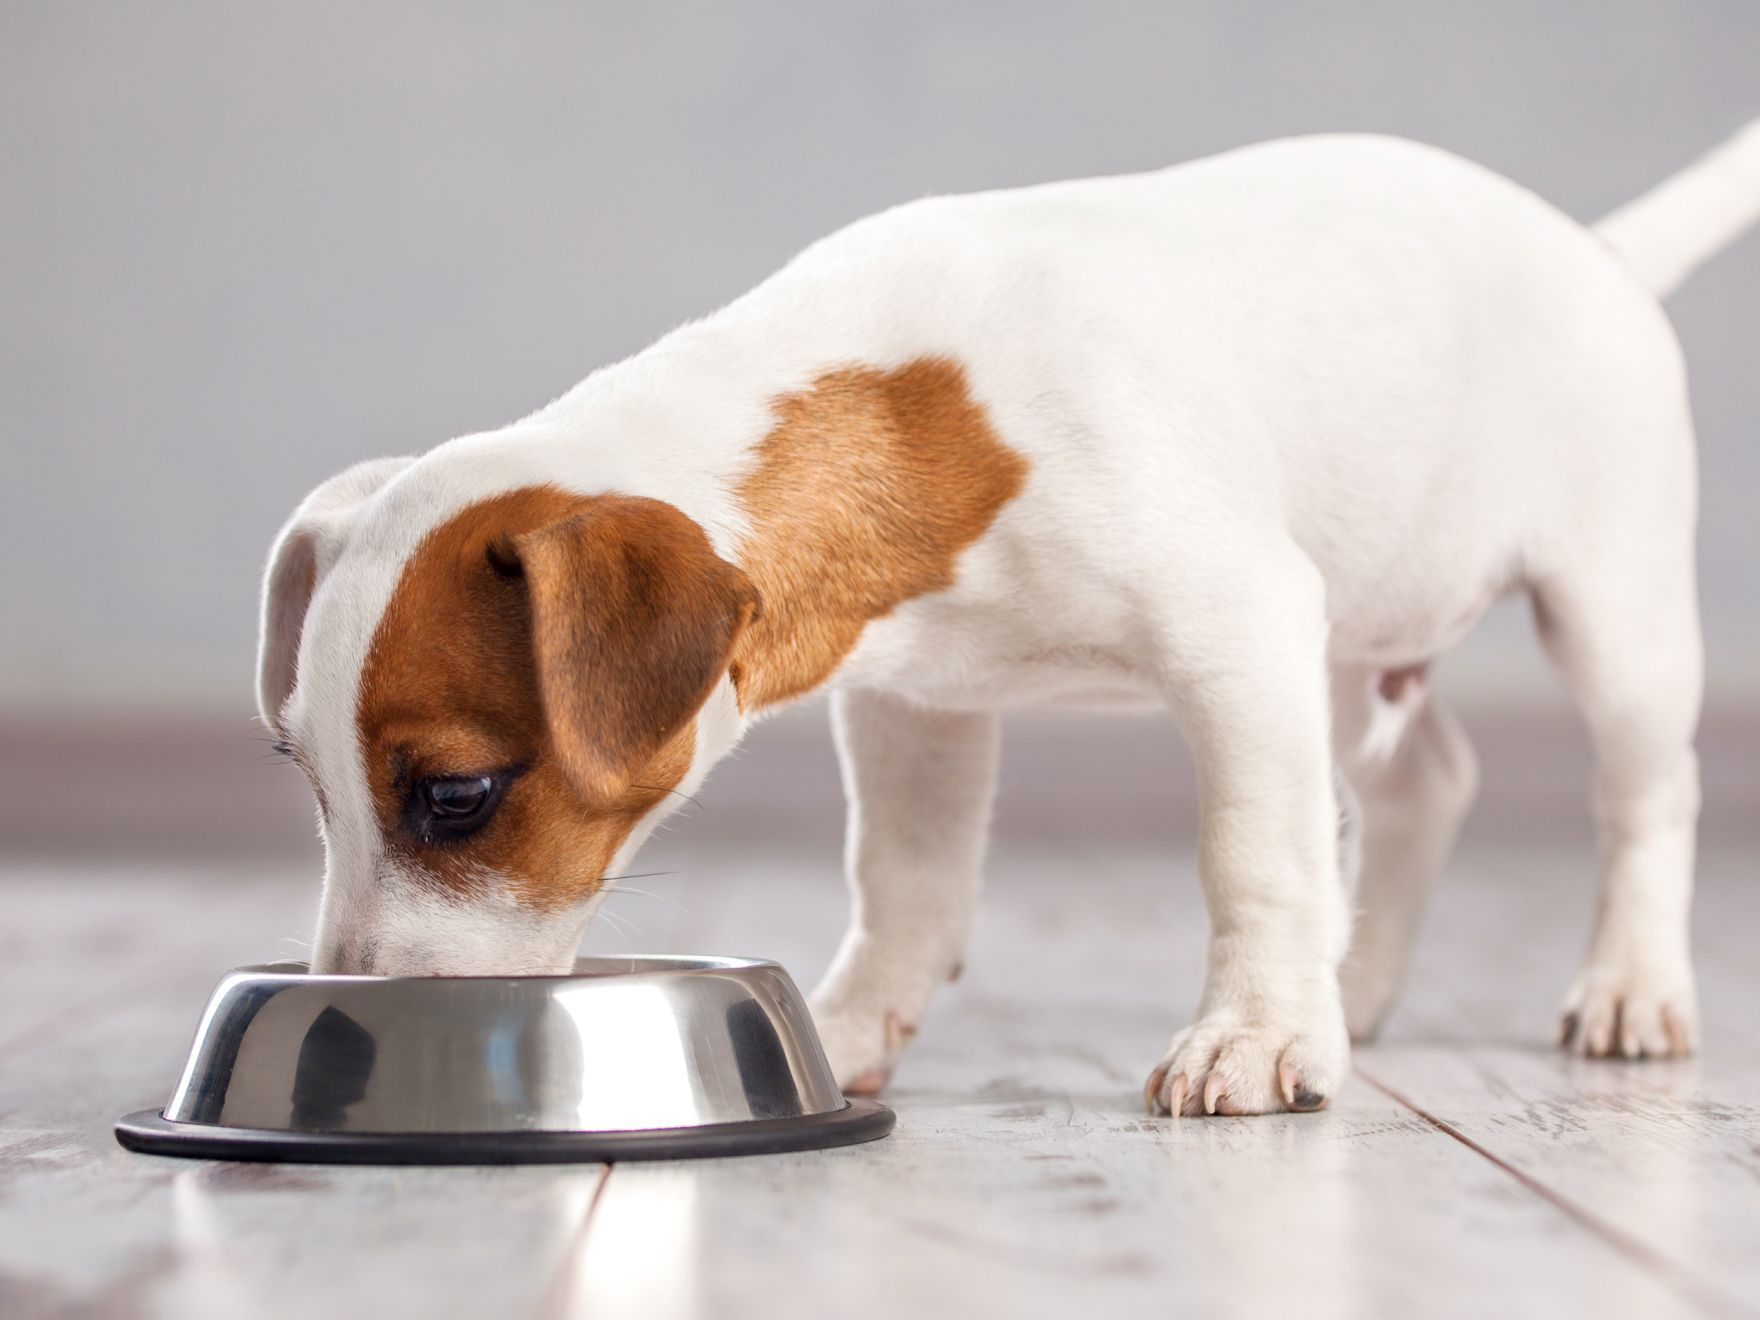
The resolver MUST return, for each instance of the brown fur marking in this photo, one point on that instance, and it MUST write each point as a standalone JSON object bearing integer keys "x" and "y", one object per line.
{"x": 452, "y": 683}
{"x": 865, "y": 492}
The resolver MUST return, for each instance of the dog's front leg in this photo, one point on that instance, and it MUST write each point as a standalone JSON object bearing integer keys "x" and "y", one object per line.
{"x": 920, "y": 784}
{"x": 1248, "y": 678}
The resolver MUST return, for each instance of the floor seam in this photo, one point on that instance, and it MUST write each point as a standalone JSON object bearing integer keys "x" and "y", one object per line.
{"x": 1677, "y": 1277}
{"x": 557, "y": 1304}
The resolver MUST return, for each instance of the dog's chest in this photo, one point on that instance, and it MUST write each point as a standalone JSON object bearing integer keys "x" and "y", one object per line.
{"x": 1084, "y": 677}
{"x": 955, "y": 660}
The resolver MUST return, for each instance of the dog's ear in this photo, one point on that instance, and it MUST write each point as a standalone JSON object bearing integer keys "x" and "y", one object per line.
{"x": 634, "y": 621}
{"x": 304, "y": 550}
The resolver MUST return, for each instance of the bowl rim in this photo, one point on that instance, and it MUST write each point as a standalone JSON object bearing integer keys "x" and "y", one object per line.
{"x": 656, "y": 965}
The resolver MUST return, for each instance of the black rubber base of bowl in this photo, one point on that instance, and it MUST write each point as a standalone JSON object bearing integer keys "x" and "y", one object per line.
{"x": 150, "y": 1132}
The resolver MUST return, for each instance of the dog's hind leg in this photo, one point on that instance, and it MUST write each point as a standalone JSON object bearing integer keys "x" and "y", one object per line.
{"x": 1407, "y": 762}
{"x": 920, "y": 785}
{"x": 1626, "y": 638}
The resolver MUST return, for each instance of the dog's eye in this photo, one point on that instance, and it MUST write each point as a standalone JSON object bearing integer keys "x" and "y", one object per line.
{"x": 459, "y": 798}
{"x": 451, "y": 807}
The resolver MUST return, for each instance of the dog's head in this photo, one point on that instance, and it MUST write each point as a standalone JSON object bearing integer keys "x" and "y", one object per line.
{"x": 495, "y": 699}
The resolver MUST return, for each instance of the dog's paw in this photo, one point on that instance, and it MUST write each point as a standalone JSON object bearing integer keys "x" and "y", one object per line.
{"x": 1220, "y": 1067}
{"x": 869, "y": 1005}
{"x": 1631, "y": 1008}
{"x": 861, "y": 1044}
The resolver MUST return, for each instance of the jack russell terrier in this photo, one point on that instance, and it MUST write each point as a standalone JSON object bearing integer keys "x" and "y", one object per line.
{"x": 1253, "y": 439}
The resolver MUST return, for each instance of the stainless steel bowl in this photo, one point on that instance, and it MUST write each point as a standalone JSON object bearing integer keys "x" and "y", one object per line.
{"x": 628, "y": 1058}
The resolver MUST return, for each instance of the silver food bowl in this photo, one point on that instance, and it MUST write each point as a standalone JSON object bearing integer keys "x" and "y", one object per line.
{"x": 628, "y": 1058}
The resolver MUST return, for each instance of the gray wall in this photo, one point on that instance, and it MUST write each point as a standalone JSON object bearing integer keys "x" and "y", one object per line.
{"x": 241, "y": 246}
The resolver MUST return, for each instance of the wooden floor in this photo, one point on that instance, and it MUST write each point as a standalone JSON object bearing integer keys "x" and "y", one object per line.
{"x": 1466, "y": 1170}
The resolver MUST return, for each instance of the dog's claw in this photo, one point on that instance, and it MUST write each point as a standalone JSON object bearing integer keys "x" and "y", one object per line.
{"x": 1215, "y": 1091}
{"x": 1242, "y": 1069}
{"x": 1621, "y": 1012}
{"x": 1152, "y": 1090}
{"x": 1176, "y": 1103}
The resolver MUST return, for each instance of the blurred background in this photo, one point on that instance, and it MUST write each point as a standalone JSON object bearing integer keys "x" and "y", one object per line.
{"x": 243, "y": 246}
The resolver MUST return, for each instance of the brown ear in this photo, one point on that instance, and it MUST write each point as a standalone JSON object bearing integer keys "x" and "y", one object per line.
{"x": 634, "y": 620}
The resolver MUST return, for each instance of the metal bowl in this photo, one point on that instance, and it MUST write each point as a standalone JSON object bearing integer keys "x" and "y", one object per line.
{"x": 628, "y": 1058}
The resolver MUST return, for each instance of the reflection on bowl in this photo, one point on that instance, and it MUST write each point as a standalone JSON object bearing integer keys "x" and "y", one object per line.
{"x": 630, "y": 1057}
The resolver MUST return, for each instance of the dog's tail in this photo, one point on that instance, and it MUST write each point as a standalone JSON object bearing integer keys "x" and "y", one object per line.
{"x": 1682, "y": 222}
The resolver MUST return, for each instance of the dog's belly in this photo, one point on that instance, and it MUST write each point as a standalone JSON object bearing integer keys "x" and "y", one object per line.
{"x": 1094, "y": 678}
{"x": 946, "y": 657}
{"x": 957, "y": 652}
{"x": 1406, "y": 630}
{"x": 1080, "y": 677}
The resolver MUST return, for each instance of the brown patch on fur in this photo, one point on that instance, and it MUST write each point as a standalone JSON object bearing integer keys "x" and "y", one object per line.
{"x": 865, "y": 493}
{"x": 581, "y": 659}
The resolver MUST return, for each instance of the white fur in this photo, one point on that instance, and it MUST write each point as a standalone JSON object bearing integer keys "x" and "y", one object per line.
{"x": 1293, "y": 415}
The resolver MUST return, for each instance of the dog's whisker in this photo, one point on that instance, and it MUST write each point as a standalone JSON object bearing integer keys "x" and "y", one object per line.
{"x": 633, "y": 875}
{"x": 292, "y": 944}
{"x": 655, "y": 788}
{"x": 623, "y": 926}
{"x": 622, "y": 935}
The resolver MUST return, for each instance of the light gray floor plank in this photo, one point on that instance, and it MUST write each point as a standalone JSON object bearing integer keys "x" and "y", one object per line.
{"x": 1662, "y": 1153}
{"x": 1023, "y": 1178}
{"x": 74, "y": 936}
{"x": 1058, "y": 1201}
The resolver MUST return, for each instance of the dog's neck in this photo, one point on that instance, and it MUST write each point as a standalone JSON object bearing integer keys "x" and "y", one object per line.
{"x": 842, "y": 487}
{"x": 695, "y": 421}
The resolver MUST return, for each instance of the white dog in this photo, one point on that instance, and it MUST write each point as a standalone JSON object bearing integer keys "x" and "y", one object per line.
{"x": 1253, "y": 439}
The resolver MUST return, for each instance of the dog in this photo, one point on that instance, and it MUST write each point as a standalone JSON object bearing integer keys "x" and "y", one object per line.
{"x": 1252, "y": 440}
